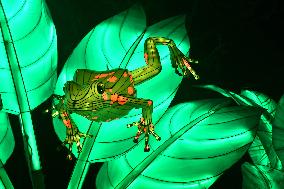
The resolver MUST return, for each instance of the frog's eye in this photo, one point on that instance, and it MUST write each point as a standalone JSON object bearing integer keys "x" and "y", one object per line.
{"x": 100, "y": 88}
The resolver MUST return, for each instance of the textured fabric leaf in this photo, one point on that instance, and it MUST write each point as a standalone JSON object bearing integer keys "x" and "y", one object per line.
{"x": 261, "y": 151}
{"x": 119, "y": 42}
{"x": 200, "y": 140}
{"x": 7, "y": 141}
{"x": 262, "y": 177}
{"x": 28, "y": 56}
{"x": 7, "y": 145}
{"x": 28, "y": 64}
{"x": 278, "y": 130}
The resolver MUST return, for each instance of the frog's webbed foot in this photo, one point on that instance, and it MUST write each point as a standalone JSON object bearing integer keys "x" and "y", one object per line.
{"x": 147, "y": 129}
{"x": 73, "y": 135}
{"x": 179, "y": 60}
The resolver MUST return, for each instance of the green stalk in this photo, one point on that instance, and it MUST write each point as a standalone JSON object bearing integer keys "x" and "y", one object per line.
{"x": 32, "y": 155}
{"x": 5, "y": 181}
{"x": 82, "y": 166}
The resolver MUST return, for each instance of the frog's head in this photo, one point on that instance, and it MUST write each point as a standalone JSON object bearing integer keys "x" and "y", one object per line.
{"x": 84, "y": 96}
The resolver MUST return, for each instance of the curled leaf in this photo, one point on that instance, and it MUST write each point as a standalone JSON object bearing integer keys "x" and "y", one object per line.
{"x": 259, "y": 176}
{"x": 7, "y": 145}
{"x": 278, "y": 130}
{"x": 200, "y": 140}
{"x": 7, "y": 141}
{"x": 261, "y": 151}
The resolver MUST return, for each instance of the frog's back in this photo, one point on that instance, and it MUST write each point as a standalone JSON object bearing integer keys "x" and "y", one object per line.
{"x": 118, "y": 80}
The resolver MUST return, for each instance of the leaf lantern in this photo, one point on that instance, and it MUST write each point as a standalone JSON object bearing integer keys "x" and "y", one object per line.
{"x": 261, "y": 176}
{"x": 118, "y": 42}
{"x": 278, "y": 130}
{"x": 200, "y": 140}
{"x": 262, "y": 151}
{"x": 7, "y": 145}
{"x": 265, "y": 172}
{"x": 28, "y": 54}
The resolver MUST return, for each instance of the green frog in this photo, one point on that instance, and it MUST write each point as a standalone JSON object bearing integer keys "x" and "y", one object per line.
{"x": 104, "y": 96}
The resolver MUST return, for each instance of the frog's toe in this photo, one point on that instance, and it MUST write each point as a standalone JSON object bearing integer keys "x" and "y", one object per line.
{"x": 85, "y": 135}
{"x": 69, "y": 157}
{"x": 135, "y": 140}
{"x": 133, "y": 124}
{"x": 79, "y": 148}
{"x": 70, "y": 147}
{"x": 152, "y": 132}
{"x": 147, "y": 148}
{"x": 137, "y": 136}
{"x": 157, "y": 137}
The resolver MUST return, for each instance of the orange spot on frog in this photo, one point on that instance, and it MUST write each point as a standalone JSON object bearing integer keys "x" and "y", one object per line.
{"x": 125, "y": 74}
{"x": 146, "y": 57}
{"x": 150, "y": 102}
{"x": 101, "y": 75}
{"x": 67, "y": 123}
{"x": 114, "y": 97}
{"x": 131, "y": 78}
{"x": 112, "y": 79}
{"x": 130, "y": 90}
{"x": 105, "y": 96}
{"x": 122, "y": 100}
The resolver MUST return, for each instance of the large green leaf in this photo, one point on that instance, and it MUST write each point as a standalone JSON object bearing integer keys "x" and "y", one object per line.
{"x": 262, "y": 177}
{"x": 7, "y": 144}
{"x": 278, "y": 130}
{"x": 28, "y": 52}
{"x": 119, "y": 42}
{"x": 261, "y": 151}
{"x": 265, "y": 173}
{"x": 200, "y": 140}
{"x": 29, "y": 56}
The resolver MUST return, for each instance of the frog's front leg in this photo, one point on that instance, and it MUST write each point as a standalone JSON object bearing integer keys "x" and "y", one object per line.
{"x": 152, "y": 59}
{"x": 73, "y": 135}
{"x": 145, "y": 124}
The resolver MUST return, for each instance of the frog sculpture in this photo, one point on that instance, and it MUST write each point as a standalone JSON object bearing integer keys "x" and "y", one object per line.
{"x": 103, "y": 96}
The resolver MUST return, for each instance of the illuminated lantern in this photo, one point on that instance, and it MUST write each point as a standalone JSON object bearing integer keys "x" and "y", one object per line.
{"x": 7, "y": 144}
{"x": 200, "y": 140}
{"x": 28, "y": 65}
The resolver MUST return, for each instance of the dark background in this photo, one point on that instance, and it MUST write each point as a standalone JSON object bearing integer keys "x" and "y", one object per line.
{"x": 238, "y": 43}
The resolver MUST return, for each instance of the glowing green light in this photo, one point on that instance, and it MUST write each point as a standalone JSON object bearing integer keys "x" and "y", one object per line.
{"x": 28, "y": 64}
{"x": 259, "y": 176}
{"x": 6, "y": 148}
{"x": 200, "y": 140}
{"x": 278, "y": 130}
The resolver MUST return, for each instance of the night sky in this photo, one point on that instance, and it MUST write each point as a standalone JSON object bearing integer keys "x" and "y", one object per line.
{"x": 238, "y": 44}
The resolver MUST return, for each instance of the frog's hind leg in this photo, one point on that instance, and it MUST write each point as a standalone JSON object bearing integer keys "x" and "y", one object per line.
{"x": 152, "y": 58}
